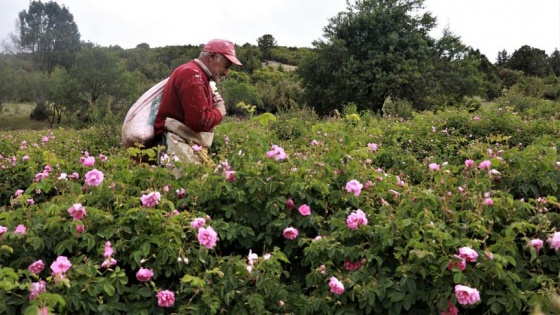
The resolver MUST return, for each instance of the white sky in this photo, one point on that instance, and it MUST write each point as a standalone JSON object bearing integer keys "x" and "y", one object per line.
{"x": 487, "y": 25}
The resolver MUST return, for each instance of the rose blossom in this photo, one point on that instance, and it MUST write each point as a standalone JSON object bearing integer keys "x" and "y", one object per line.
{"x": 451, "y": 309}
{"x": 356, "y": 219}
{"x": 354, "y": 187}
{"x": 37, "y": 288}
{"x": 36, "y": 267}
{"x": 537, "y": 244}
{"x": 144, "y": 274}
{"x": 207, "y": 237}
{"x": 336, "y": 286}
{"x": 150, "y": 200}
{"x": 198, "y": 223}
{"x": 290, "y": 204}
{"x": 60, "y": 265}
{"x": 20, "y": 230}
{"x": 304, "y": 210}
{"x": 290, "y": 233}
{"x": 468, "y": 254}
{"x": 166, "y": 298}
{"x": 466, "y": 295}
{"x": 87, "y": 162}
{"x": 484, "y": 165}
{"x": 434, "y": 167}
{"x": 460, "y": 264}
{"x": 94, "y": 177}
{"x": 77, "y": 211}
{"x": 554, "y": 241}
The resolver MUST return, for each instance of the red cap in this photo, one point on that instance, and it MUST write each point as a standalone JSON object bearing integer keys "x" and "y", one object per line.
{"x": 222, "y": 47}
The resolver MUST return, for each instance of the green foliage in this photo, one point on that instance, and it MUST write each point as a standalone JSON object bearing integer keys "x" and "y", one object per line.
{"x": 398, "y": 262}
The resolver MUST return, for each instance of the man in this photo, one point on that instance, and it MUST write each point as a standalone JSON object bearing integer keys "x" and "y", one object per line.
{"x": 190, "y": 108}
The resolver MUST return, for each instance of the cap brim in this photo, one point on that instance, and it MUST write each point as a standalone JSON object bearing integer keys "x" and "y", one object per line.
{"x": 233, "y": 60}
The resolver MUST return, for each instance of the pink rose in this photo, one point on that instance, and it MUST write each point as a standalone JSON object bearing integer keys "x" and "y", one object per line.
{"x": 108, "y": 250}
{"x": 484, "y": 165}
{"x": 458, "y": 263}
{"x": 290, "y": 233}
{"x": 434, "y": 167}
{"x": 554, "y": 241}
{"x": 20, "y": 230}
{"x": 37, "y": 288}
{"x": 304, "y": 210}
{"x": 466, "y": 295}
{"x": 470, "y": 163}
{"x": 372, "y": 146}
{"x": 87, "y": 161}
{"x": 94, "y": 178}
{"x": 166, "y": 298}
{"x": 108, "y": 262}
{"x": 77, "y": 211}
{"x": 290, "y": 204}
{"x": 468, "y": 254}
{"x": 60, "y": 265}
{"x": 150, "y": 200}
{"x": 451, "y": 309}
{"x": 277, "y": 153}
{"x": 356, "y": 219}
{"x": 354, "y": 187}
{"x": 207, "y": 237}
{"x": 36, "y": 267}
{"x": 537, "y": 244}
{"x": 80, "y": 229}
{"x": 144, "y": 274}
{"x": 198, "y": 223}
{"x": 336, "y": 286}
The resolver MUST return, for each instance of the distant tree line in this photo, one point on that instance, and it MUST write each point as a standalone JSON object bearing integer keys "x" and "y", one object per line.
{"x": 373, "y": 52}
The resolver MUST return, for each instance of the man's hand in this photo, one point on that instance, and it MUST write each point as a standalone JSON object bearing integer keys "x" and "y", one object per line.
{"x": 221, "y": 106}
{"x": 219, "y": 103}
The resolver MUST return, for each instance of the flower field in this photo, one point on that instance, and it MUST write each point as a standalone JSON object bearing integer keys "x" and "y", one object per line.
{"x": 447, "y": 213}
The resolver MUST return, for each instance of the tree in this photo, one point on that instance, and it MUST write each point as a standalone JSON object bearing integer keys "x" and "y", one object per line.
{"x": 48, "y": 32}
{"x": 266, "y": 43}
{"x": 532, "y": 61}
{"x": 554, "y": 61}
{"x": 101, "y": 74}
{"x": 502, "y": 59}
{"x": 374, "y": 50}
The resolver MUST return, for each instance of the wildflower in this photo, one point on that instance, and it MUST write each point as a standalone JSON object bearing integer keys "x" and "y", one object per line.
{"x": 354, "y": 187}
{"x": 166, "y": 298}
{"x": 488, "y": 201}
{"x": 290, "y": 233}
{"x": 304, "y": 210}
{"x": 372, "y": 147}
{"x": 434, "y": 167}
{"x": 466, "y": 295}
{"x": 207, "y": 237}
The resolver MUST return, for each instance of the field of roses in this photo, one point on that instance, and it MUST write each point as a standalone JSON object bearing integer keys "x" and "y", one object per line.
{"x": 454, "y": 212}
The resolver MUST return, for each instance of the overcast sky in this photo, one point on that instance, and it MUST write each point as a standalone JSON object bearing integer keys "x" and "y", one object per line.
{"x": 488, "y": 25}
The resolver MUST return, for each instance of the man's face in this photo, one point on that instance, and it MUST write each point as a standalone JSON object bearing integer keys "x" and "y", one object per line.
{"x": 219, "y": 66}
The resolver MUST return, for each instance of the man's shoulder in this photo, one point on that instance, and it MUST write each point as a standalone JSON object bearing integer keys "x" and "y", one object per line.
{"x": 188, "y": 70}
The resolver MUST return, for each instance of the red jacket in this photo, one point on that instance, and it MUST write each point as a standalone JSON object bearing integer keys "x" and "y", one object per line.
{"x": 187, "y": 97}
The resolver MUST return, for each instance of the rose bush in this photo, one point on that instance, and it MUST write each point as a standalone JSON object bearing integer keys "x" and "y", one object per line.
{"x": 318, "y": 221}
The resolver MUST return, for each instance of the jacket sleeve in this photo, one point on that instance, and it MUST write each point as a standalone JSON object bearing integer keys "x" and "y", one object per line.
{"x": 196, "y": 99}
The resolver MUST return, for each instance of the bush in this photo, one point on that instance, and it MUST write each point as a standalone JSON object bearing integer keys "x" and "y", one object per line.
{"x": 382, "y": 207}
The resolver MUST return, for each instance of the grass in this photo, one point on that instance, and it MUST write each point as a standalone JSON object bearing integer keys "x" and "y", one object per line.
{"x": 15, "y": 116}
